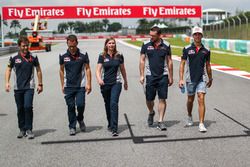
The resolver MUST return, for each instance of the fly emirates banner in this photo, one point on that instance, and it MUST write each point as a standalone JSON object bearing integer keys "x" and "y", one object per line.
{"x": 69, "y": 12}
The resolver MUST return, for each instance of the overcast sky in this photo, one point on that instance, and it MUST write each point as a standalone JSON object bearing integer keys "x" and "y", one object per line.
{"x": 228, "y": 5}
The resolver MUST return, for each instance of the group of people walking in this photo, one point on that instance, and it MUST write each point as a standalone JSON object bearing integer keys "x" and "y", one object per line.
{"x": 156, "y": 74}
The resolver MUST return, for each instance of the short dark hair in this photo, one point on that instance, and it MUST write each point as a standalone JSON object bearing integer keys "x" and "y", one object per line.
{"x": 72, "y": 38}
{"x": 156, "y": 29}
{"x": 22, "y": 39}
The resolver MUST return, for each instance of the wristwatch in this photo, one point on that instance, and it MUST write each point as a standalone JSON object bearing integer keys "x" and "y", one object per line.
{"x": 40, "y": 84}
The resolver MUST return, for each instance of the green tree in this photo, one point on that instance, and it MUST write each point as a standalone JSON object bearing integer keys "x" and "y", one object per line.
{"x": 4, "y": 22}
{"x": 105, "y": 23}
{"x": 62, "y": 27}
{"x": 79, "y": 27}
{"x": 15, "y": 24}
{"x": 71, "y": 26}
{"x": 23, "y": 31}
{"x": 114, "y": 27}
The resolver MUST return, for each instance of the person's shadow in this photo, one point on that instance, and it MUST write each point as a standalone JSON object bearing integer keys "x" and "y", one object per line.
{"x": 92, "y": 128}
{"x": 167, "y": 123}
{"x": 42, "y": 132}
{"x": 123, "y": 127}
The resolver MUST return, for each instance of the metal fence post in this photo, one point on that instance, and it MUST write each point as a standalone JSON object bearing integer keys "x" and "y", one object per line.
{"x": 246, "y": 22}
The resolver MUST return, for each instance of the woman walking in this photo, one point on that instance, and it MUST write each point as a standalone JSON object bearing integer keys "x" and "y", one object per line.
{"x": 109, "y": 72}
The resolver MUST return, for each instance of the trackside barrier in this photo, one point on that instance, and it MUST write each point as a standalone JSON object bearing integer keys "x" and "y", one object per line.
{"x": 9, "y": 49}
{"x": 240, "y": 46}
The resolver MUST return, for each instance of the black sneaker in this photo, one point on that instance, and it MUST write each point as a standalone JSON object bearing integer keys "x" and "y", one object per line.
{"x": 151, "y": 118}
{"x": 30, "y": 134}
{"x": 21, "y": 134}
{"x": 115, "y": 134}
{"x": 161, "y": 126}
{"x": 82, "y": 126}
{"x": 109, "y": 129}
{"x": 72, "y": 132}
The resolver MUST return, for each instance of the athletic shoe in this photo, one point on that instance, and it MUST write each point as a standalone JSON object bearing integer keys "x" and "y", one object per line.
{"x": 151, "y": 118}
{"x": 82, "y": 126}
{"x": 190, "y": 121}
{"x": 109, "y": 129}
{"x": 30, "y": 134}
{"x": 161, "y": 126}
{"x": 114, "y": 134}
{"x": 72, "y": 132}
{"x": 202, "y": 127}
{"x": 21, "y": 134}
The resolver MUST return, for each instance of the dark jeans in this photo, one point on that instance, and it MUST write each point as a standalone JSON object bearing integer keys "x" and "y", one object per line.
{"x": 75, "y": 97}
{"x": 24, "y": 103}
{"x": 111, "y": 94}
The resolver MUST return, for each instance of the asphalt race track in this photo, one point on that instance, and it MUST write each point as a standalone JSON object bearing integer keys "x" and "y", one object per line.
{"x": 226, "y": 144}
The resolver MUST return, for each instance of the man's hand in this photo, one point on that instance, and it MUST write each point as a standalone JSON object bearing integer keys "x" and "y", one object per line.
{"x": 125, "y": 85}
{"x": 209, "y": 84}
{"x": 88, "y": 88}
{"x": 181, "y": 83}
{"x": 142, "y": 78}
{"x": 39, "y": 88}
{"x": 170, "y": 81}
{"x": 7, "y": 87}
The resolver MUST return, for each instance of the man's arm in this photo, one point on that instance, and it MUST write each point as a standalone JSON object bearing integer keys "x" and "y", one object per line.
{"x": 40, "y": 79}
{"x": 88, "y": 74}
{"x": 181, "y": 73}
{"x": 7, "y": 79}
{"x": 61, "y": 73}
{"x": 142, "y": 67}
{"x": 209, "y": 73}
{"x": 170, "y": 70}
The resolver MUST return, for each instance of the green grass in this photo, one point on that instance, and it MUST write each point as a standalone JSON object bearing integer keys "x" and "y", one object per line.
{"x": 239, "y": 62}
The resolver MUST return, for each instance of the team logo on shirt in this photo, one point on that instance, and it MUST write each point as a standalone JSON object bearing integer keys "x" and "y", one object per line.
{"x": 66, "y": 59}
{"x": 106, "y": 60}
{"x": 191, "y": 52}
{"x": 150, "y": 48}
{"x": 205, "y": 52}
{"x": 18, "y": 61}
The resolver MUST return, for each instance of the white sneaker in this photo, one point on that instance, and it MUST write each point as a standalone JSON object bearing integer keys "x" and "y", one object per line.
{"x": 202, "y": 127}
{"x": 190, "y": 121}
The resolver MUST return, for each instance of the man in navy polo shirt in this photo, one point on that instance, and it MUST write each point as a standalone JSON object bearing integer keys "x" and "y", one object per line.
{"x": 74, "y": 68}
{"x": 198, "y": 75}
{"x": 23, "y": 65}
{"x": 156, "y": 57}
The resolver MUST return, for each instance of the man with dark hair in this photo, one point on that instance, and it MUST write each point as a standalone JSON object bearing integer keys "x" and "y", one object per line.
{"x": 156, "y": 57}
{"x": 74, "y": 68}
{"x": 23, "y": 66}
{"x": 198, "y": 75}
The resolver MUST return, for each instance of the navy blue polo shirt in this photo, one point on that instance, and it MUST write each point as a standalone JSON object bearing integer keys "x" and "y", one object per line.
{"x": 111, "y": 72}
{"x": 156, "y": 57}
{"x": 74, "y": 75}
{"x": 196, "y": 62}
{"x": 23, "y": 67}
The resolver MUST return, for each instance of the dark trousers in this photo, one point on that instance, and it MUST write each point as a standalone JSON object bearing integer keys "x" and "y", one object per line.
{"x": 24, "y": 103}
{"x": 111, "y": 94}
{"x": 75, "y": 97}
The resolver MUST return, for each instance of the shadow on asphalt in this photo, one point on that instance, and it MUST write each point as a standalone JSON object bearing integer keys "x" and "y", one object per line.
{"x": 42, "y": 132}
{"x": 167, "y": 123}
{"x": 2, "y": 114}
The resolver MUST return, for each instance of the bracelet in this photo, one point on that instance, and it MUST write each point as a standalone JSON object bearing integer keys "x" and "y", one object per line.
{"x": 40, "y": 84}
{"x": 211, "y": 79}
